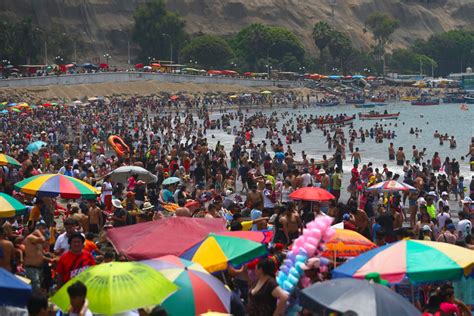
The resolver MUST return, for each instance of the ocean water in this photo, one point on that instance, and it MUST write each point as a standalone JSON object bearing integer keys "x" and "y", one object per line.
{"x": 445, "y": 118}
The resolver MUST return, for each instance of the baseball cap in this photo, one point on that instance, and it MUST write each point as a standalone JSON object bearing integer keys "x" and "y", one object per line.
{"x": 346, "y": 217}
{"x": 444, "y": 193}
{"x": 467, "y": 199}
{"x": 426, "y": 228}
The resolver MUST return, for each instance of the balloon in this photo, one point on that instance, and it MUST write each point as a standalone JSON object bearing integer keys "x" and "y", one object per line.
{"x": 285, "y": 269}
{"x": 321, "y": 225}
{"x": 293, "y": 280}
{"x": 298, "y": 242}
{"x": 327, "y": 219}
{"x": 310, "y": 249}
{"x": 312, "y": 241}
{"x": 287, "y": 286}
{"x": 294, "y": 272}
{"x": 315, "y": 233}
{"x": 299, "y": 267}
{"x": 328, "y": 234}
{"x": 301, "y": 258}
{"x": 282, "y": 275}
{"x": 303, "y": 252}
{"x": 311, "y": 225}
{"x": 291, "y": 256}
{"x": 288, "y": 263}
{"x": 296, "y": 249}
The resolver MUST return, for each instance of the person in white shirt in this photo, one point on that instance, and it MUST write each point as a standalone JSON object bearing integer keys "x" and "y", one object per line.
{"x": 464, "y": 225}
{"x": 307, "y": 179}
{"x": 268, "y": 199}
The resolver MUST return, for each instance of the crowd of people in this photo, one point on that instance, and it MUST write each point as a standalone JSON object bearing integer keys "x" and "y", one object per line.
{"x": 247, "y": 185}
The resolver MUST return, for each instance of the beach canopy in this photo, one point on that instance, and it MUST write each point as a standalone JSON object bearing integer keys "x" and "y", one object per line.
{"x": 215, "y": 252}
{"x": 9, "y": 206}
{"x": 314, "y": 194}
{"x": 266, "y": 92}
{"x": 355, "y": 297}
{"x": 417, "y": 260}
{"x": 347, "y": 243}
{"x": 175, "y": 235}
{"x": 117, "y": 287}
{"x": 7, "y": 160}
{"x": 139, "y": 66}
{"x": 35, "y": 146}
{"x": 199, "y": 291}
{"x": 53, "y": 185}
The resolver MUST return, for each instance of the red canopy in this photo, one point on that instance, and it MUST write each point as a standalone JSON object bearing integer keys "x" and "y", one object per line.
{"x": 170, "y": 236}
{"x": 214, "y": 72}
{"x": 139, "y": 66}
{"x": 311, "y": 194}
{"x": 229, "y": 72}
{"x": 103, "y": 66}
{"x": 155, "y": 65}
{"x": 248, "y": 74}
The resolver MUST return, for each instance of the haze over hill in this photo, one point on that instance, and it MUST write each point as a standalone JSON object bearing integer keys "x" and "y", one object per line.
{"x": 102, "y": 24}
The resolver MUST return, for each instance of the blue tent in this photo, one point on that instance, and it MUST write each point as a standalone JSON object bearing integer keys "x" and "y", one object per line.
{"x": 13, "y": 291}
{"x": 89, "y": 65}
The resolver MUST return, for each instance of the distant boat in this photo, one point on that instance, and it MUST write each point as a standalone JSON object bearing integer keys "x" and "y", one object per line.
{"x": 378, "y": 116}
{"x": 377, "y": 100}
{"x": 469, "y": 99}
{"x": 425, "y": 102}
{"x": 355, "y": 101}
{"x": 364, "y": 106}
{"x": 408, "y": 98}
{"x": 330, "y": 103}
{"x": 345, "y": 120}
{"x": 454, "y": 97}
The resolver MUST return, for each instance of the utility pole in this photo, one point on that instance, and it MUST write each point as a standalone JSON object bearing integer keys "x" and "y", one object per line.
{"x": 75, "y": 52}
{"x": 421, "y": 67}
{"x": 45, "y": 53}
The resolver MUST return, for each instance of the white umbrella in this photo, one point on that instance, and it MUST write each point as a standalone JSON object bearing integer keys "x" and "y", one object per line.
{"x": 121, "y": 174}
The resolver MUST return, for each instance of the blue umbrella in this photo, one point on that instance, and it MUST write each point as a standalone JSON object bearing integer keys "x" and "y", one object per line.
{"x": 12, "y": 104}
{"x": 334, "y": 77}
{"x": 35, "y": 146}
{"x": 279, "y": 155}
{"x": 13, "y": 292}
{"x": 171, "y": 180}
{"x": 4, "y": 111}
{"x": 358, "y": 77}
{"x": 88, "y": 65}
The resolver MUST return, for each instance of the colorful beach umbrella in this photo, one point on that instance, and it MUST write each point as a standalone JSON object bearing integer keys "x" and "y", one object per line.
{"x": 52, "y": 185}
{"x": 355, "y": 297}
{"x": 9, "y": 206}
{"x": 347, "y": 243}
{"x": 35, "y": 146}
{"x": 415, "y": 260}
{"x": 199, "y": 291}
{"x": 261, "y": 236}
{"x": 117, "y": 287}
{"x": 390, "y": 186}
{"x": 314, "y": 194}
{"x": 7, "y": 160}
{"x": 215, "y": 252}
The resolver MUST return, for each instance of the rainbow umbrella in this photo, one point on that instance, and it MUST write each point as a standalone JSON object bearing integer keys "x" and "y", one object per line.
{"x": 7, "y": 160}
{"x": 9, "y": 206}
{"x": 52, "y": 185}
{"x": 118, "y": 287}
{"x": 390, "y": 186}
{"x": 198, "y": 292}
{"x": 215, "y": 252}
{"x": 347, "y": 243}
{"x": 415, "y": 260}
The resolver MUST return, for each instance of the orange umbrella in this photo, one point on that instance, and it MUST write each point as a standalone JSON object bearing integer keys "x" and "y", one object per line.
{"x": 347, "y": 244}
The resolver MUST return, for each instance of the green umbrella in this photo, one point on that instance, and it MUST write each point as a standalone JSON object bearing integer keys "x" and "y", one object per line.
{"x": 118, "y": 287}
{"x": 171, "y": 180}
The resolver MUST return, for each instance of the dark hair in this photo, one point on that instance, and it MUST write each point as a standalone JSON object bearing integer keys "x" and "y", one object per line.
{"x": 70, "y": 221}
{"x": 267, "y": 266}
{"x": 76, "y": 235}
{"x": 77, "y": 289}
{"x": 36, "y": 303}
{"x": 158, "y": 311}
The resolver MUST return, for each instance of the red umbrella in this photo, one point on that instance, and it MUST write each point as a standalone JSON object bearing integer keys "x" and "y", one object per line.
{"x": 175, "y": 235}
{"x": 214, "y": 72}
{"x": 46, "y": 105}
{"x": 229, "y": 72}
{"x": 139, "y": 66}
{"x": 248, "y": 74}
{"x": 174, "y": 97}
{"x": 155, "y": 65}
{"x": 103, "y": 66}
{"x": 70, "y": 66}
{"x": 311, "y": 194}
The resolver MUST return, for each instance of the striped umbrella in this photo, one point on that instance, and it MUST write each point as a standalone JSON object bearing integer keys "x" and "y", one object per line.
{"x": 199, "y": 291}
{"x": 52, "y": 185}
{"x": 215, "y": 252}
{"x": 390, "y": 186}
{"x": 416, "y": 260}
{"x": 9, "y": 206}
{"x": 7, "y": 160}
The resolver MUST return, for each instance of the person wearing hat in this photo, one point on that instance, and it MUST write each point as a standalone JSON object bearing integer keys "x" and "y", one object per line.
{"x": 427, "y": 233}
{"x": 75, "y": 260}
{"x": 119, "y": 216}
{"x": 449, "y": 235}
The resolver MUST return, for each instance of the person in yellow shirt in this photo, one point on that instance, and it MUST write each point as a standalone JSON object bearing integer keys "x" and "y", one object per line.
{"x": 35, "y": 214}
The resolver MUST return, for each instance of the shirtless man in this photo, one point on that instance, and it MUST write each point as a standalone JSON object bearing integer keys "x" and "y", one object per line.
{"x": 391, "y": 152}
{"x": 34, "y": 255}
{"x": 6, "y": 251}
{"x": 400, "y": 156}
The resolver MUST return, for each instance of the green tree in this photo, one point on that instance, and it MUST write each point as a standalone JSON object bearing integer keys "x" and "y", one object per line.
{"x": 382, "y": 26}
{"x": 322, "y": 35}
{"x": 155, "y": 29}
{"x": 19, "y": 41}
{"x": 407, "y": 61}
{"x": 209, "y": 51}
{"x": 257, "y": 45}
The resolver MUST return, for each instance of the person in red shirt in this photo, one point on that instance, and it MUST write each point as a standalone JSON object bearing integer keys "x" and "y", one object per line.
{"x": 75, "y": 260}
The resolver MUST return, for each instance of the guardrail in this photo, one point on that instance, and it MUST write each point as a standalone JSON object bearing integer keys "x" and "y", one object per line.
{"x": 102, "y": 77}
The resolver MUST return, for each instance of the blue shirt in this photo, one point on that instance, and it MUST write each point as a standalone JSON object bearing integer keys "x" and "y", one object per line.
{"x": 168, "y": 196}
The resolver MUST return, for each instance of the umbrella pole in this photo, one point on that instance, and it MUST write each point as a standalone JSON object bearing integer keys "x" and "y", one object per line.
{"x": 335, "y": 258}
{"x": 412, "y": 294}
